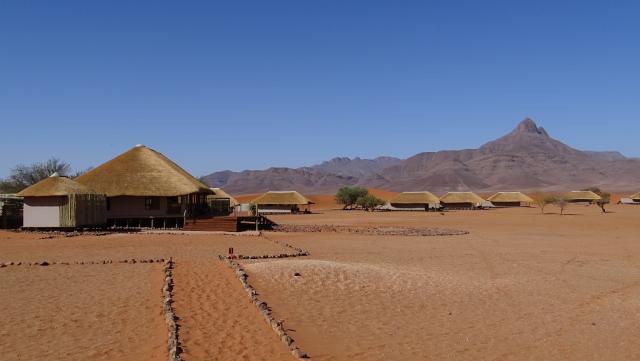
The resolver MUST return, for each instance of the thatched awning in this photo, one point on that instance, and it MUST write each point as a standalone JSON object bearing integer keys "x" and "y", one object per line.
{"x": 461, "y": 197}
{"x": 218, "y": 193}
{"x": 282, "y": 198}
{"x": 55, "y": 185}
{"x": 142, "y": 171}
{"x": 510, "y": 197}
{"x": 582, "y": 196}
{"x": 415, "y": 198}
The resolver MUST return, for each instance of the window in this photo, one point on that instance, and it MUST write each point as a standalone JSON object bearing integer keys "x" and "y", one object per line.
{"x": 173, "y": 205}
{"x": 152, "y": 203}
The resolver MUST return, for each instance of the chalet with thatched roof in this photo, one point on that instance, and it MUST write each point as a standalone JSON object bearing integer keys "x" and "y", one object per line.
{"x": 422, "y": 201}
{"x": 220, "y": 202}
{"x": 282, "y": 202}
{"x": 461, "y": 200}
{"x": 146, "y": 189}
{"x": 510, "y": 199}
{"x": 582, "y": 197}
{"x": 60, "y": 202}
{"x": 635, "y": 197}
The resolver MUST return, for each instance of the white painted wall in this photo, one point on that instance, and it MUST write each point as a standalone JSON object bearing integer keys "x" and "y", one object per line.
{"x": 42, "y": 211}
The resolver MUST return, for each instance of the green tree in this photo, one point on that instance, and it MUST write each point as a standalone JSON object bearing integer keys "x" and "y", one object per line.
{"x": 23, "y": 176}
{"x": 369, "y": 202}
{"x": 605, "y": 197}
{"x": 348, "y": 196}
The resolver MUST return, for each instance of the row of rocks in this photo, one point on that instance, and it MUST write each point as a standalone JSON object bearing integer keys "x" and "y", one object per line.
{"x": 372, "y": 230}
{"x": 109, "y": 261}
{"x": 173, "y": 343}
{"x": 265, "y": 311}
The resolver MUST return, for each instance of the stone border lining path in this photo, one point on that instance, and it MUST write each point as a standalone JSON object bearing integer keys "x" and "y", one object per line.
{"x": 173, "y": 342}
{"x": 264, "y": 309}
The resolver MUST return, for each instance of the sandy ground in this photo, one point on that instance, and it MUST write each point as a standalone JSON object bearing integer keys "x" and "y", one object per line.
{"x": 83, "y": 312}
{"x": 520, "y": 286}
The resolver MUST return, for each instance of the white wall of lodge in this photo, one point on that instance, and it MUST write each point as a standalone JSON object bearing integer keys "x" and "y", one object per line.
{"x": 135, "y": 207}
{"x": 42, "y": 211}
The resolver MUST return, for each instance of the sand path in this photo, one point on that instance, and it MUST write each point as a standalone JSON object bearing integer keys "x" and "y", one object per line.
{"x": 216, "y": 318}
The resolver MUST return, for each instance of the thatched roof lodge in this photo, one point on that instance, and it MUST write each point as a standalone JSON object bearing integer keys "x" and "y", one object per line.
{"x": 60, "y": 202}
{"x": 415, "y": 201}
{"x": 510, "y": 199}
{"x": 461, "y": 200}
{"x": 635, "y": 197}
{"x": 582, "y": 197}
{"x": 282, "y": 202}
{"x": 145, "y": 188}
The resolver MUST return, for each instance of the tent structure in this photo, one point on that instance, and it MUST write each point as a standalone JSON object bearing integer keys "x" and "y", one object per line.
{"x": 282, "y": 202}
{"x": 422, "y": 201}
{"x": 146, "y": 189}
{"x": 60, "y": 202}
{"x": 461, "y": 200}
{"x": 582, "y": 197}
{"x": 510, "y": 199}
{"x": 220, "y": 202}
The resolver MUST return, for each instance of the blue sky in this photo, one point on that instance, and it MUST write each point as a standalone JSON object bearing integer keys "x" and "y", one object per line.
{"x": 241, "y": 84}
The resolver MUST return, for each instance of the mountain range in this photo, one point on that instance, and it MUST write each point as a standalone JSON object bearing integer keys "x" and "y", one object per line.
{"x": 526, "y": 159}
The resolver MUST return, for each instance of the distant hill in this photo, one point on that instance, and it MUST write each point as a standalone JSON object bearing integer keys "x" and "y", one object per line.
{"x": 525, "y": 159}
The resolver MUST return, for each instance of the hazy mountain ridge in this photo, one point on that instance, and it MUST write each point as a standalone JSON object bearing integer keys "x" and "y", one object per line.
{"x": 525, "y": 159}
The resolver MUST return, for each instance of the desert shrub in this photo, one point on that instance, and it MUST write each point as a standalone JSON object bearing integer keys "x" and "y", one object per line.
{"x": 369, "y": 202}
{"x": 605, "y": 197}
{"x": 348, "y": 196}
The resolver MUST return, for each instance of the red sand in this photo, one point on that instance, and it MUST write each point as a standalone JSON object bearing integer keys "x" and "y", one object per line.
{"x": 520, "y": 286}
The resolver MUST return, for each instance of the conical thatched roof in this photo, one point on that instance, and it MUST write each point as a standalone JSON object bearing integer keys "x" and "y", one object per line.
{"x": 582, "y": 196}
{"x": 415, "y": 198}
{"x": 284, "y": 198}
{"x": 510, "y": 197}
{"x": 142, "y": 171}
{"x": 461, "y": 197}
{"x": 55, "y": 185}
{"x": 635, "y": 196}
{"x": 219, "y": 193}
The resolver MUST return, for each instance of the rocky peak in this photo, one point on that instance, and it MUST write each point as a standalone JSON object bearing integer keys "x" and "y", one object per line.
{"x": 528, "y": 126}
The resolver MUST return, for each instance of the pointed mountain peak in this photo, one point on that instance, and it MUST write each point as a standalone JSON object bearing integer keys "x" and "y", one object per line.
{"x": 529, "y": 126}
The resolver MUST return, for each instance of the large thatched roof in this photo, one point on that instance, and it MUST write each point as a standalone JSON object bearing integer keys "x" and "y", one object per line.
{"x": 635, "y": 196}
{"x": 142, "y": 171}
{"x": 282, "y": 198}
{"x": 219, "y": 193}
{"x": 415, "y": 198}
{"x": 461, "y": 197}
{"x": 510, "y": 197}
{"x": 55, "y": 186}
{"x": 582, "y": 196}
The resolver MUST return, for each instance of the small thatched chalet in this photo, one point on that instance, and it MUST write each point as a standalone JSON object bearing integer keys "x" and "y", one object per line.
{"x": 582, "y": 197}
{"x": 415, "y": 201}
{"x": 220, "y": 202}
{"x": 635, "y": 197}
{"x": 146, "y": 189}
{"x": 282, "y": 202}
{"x": 510, "y": 199}
{"x": 461, "y": 200}
{"x": 60, "y": 202}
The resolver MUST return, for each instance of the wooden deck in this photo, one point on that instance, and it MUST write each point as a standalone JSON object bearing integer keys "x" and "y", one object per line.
{"x": 228, "y": 223}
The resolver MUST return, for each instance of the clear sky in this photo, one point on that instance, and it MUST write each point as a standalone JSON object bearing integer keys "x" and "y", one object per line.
{"x": 243, "y": 84}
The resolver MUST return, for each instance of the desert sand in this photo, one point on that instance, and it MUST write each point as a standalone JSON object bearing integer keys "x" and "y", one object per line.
{"x": 519, "y": 286}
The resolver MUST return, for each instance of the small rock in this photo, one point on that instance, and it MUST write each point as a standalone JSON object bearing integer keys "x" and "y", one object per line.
{"x": 297, "y": 274}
